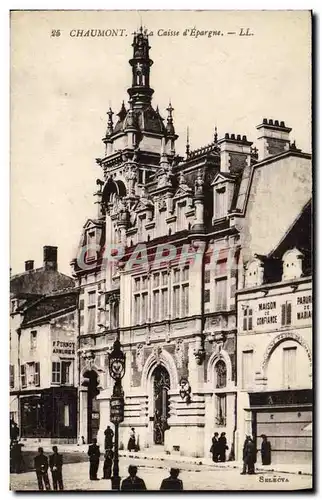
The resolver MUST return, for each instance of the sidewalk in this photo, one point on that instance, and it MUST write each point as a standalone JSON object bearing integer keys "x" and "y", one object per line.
{"x": 304, "y": 469}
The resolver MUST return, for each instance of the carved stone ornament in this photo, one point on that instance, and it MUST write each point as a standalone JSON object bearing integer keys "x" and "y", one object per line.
{"x": 185, "y": 390}
{"x": 199, "y": 350}
{"x": 140, "y": 357}
{"x": 179, "y": 353}
{"x": 157, "y": 351}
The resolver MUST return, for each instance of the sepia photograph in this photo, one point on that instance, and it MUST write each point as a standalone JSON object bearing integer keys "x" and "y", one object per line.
{"x": 161, "y": 299}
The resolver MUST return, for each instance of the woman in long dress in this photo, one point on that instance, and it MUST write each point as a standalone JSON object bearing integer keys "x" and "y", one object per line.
{"x": 266, "y": 450}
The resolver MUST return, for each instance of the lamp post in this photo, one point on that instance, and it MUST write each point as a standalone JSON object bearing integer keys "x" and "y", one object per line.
{"x": 116, "y": 364}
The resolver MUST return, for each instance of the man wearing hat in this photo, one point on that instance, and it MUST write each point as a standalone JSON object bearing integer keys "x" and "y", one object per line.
{"x": 172, "y": 483}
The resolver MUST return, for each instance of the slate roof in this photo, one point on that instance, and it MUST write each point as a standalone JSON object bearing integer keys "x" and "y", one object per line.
{"x": 50, "y": 306}
{"x": 39, "y": 282}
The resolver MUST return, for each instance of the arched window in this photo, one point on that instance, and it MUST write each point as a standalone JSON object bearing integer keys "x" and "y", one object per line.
{"x": 221, "y": 374}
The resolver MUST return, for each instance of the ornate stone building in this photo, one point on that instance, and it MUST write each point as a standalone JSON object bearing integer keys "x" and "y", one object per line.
{"x": 160, "y": 264}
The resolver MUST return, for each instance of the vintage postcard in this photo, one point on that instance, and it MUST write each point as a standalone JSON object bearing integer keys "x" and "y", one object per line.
{"x": 161, "y": 260}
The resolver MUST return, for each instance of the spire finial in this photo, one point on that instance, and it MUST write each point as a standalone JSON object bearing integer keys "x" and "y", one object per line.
{"x": 170, "y": 127}
{"x": 215, "y": 135}
{"x": 188, "y": 143}
{"x": 110, "y": 121}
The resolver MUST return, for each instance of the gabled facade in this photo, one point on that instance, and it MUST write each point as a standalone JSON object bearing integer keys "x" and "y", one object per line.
{"x": 173, "y": 236}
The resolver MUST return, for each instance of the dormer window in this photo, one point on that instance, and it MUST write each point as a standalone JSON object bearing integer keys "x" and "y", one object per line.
{"x": 292, "y": 264}
{"x": 91, "y": 245}
{"x": 254, "y": 273}
{"x": 220, "y": 203}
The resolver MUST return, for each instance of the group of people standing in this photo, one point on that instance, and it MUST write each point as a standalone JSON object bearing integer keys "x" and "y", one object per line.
{"x": 219, "y": 447}
{"x": 250, "y": 454}
{"x": 16, "y": 459}
{"x": 94, "y": 456}
{"x": 55, "y": 464}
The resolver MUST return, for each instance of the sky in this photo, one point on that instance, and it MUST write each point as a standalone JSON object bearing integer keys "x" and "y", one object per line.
{"x": 62, "y": 86}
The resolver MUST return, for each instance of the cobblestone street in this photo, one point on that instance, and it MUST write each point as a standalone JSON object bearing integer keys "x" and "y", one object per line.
{"x": 194, "y": 477}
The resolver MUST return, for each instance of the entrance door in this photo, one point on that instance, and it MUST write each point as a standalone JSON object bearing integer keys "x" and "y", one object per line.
{"x": 161, "y": 386}
{"x": 93, "y": 414}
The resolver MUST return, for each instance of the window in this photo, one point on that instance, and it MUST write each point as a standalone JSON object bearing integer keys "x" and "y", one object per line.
{"x": 220, "y": 198}
{"x": 91, "y": 246}
{"x": 207, "y": 276}
{"x": 37, "y": 374}
{"x": 156, "y": 305}
{"x": 33, "y": 340}
{"x": 286, "y": 313}
{"x": 185, "y": 300}
{"x": 221, "y": 409}
{"x": 66, "y": 372}
{"x": 221, "y": 267}
{"x": 164, "y": 303}
{"x": 247, "y": 368}
{"x": 56, "y": 372}
{"x": 180, "y": 293}
{"x": 91, "y": 312}
{"x": 23, "y": 376}
{"x": 176, "y": 301}
{"x": 221, "y": 294}
{"x": 206, "y": 296}
{"x": 248, "y": 319}
{"x": 115, "y": 314}
{"x": 140, "y": 306}
{"x": 289, "y": 367}
{"x": 221, "y": 374}
{"x": 181, "y": 216}
{"x": 12, "y": 376}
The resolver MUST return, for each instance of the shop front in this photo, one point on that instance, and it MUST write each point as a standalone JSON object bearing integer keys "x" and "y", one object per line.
{"x": 285, "y": 417}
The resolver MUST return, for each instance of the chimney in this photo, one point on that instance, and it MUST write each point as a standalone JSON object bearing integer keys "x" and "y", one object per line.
{"x": 234, "y": 153}
{"x": 273, "y": 139}
{"x": 29, "y": 265}
{"x": 50, "y": 258}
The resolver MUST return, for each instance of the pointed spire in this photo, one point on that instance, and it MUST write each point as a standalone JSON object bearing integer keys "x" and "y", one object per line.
{"x": 110, "y": 114}
{"x": 170, "y": 128}
{"x": 122, "y": 113}
{"x": 188, "y": 143}
{"x": 215, "y": 135}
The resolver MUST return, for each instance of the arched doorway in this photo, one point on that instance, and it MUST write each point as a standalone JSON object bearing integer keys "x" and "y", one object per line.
{"x": 161, "y": 386}
{"x": 93, "y": 414}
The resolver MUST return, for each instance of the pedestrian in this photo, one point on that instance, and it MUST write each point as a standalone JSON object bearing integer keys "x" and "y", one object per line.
{"x": 56, "y": 467}
{"x": 214, "y": 447}
{"x": 133, "y": 482}
{"x": 14, "y": 431}
{"x": 266, "y": 450}
{"x": 107, "y": 467}
{"x": 41, "y": 466}
{"x": 131, "y": 444}
{"x": 222, "y": 447}
{"x": 108, "y": 442}
{"x": 249, "y": 456}
{"x": 16, "y": 458}
{"x": 94, "y": 460}
{"x": 172, "y": 483}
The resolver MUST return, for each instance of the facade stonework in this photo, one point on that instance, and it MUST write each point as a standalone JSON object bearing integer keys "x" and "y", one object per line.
{"x": 160, "y": 265}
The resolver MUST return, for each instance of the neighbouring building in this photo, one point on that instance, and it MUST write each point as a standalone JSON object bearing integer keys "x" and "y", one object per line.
{"x": 274, "y": 354}
{"x": 174, "y": 306}
{"x": 43, "y": 396}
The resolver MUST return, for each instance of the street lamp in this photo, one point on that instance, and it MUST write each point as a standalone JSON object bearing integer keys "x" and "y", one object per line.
{"x": 116, "y": 365}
